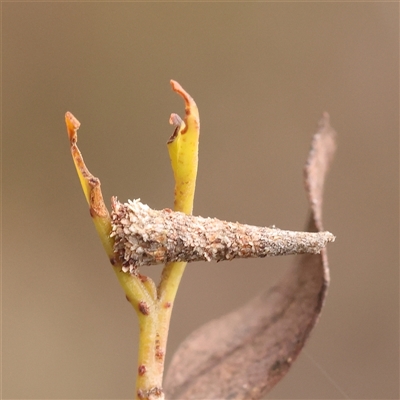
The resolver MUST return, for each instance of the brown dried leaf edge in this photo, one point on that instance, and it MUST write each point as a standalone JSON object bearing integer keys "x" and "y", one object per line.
{"x": 243, "y": 354}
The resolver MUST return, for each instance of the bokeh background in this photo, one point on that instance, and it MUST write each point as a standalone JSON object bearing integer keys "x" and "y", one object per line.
{"x": 261, "y": 74}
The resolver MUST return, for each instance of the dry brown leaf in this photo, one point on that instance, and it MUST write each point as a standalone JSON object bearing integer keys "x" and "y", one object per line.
{"x": 243, "y": 354}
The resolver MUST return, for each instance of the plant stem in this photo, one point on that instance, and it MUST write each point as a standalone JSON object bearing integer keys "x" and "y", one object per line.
{"x": 154, "y": 323}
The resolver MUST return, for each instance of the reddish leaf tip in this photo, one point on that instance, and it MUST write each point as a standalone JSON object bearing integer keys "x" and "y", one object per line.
{"x": 72, "y": 126}
{"x": 189, "y": 102}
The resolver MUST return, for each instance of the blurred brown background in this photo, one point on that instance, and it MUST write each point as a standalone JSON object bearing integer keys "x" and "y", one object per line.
{"x": 261, "y": 74}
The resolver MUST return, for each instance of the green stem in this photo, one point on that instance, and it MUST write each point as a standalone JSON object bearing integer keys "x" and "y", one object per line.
{"x": 150, "y": 365}
{"x": 154, "y": 320}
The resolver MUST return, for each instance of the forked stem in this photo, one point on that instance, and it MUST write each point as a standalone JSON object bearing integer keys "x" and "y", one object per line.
{"x": 153, "y": 305}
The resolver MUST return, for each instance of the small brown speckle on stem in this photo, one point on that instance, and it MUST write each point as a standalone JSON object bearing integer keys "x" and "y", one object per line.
{"x": 144, "y": 308}
{"x": 151, "y": 394}
{"x": 113, "y": 261}
{"x": 142, "y": 370}
{"x": 159, "y": 354}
